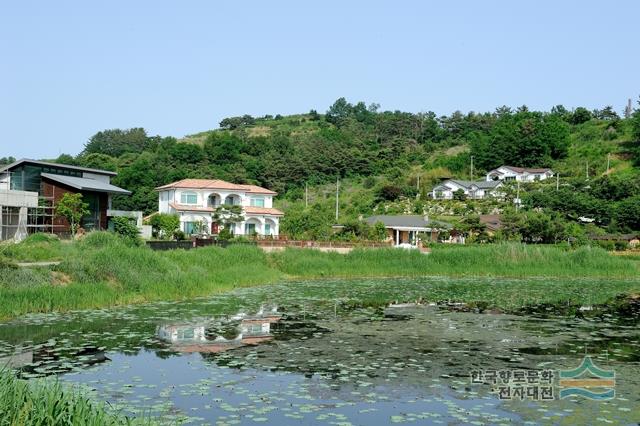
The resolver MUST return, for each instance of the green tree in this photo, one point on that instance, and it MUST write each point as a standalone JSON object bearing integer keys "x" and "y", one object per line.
{"x": 635, "y": 131}
{"x": 227, "y": 215}
{"x": 115, "y": 142}
{"x": 164, "y": 225}
{"x": 378, "y": 232}
{"x": 580, "y": 115}
{"x": 7, "y": 160}
{"x": 126, "y": 228}
{"x": 98, "y": 161}
{"x": 72, "y": 208}
{"x": 627, "y": 213}
{"x": 459, "y": 195}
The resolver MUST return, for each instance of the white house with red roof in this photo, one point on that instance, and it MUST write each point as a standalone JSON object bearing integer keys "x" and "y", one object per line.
{"x": 520, "y": 174}
{"x": 195, "y": 201}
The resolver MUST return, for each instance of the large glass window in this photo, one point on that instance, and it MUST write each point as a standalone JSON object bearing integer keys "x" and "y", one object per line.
{"x": 190, "y": 227}
{"x": 267, "y": 229}
{"x": 188, "y": 198}
{"x": 249, "y": 228}
{"x": 257, "y": 201}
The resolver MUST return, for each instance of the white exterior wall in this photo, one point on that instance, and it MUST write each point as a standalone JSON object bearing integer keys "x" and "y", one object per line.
{"x": 519, "y": 177}
{"x": 174, "y": 196}
{"x": 5, "y": 180}
{"x": 97, "y": 176}
{"x": 451, "y": 187}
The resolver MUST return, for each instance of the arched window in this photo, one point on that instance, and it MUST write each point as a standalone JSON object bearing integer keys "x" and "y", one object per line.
{"x": 232, "y": 200}
{"x": 188, "y": 198}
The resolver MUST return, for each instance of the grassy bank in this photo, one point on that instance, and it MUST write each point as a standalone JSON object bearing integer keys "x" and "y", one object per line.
{"x": 103, "y": 270}
{"x": 43, "y": 402}
{"x": 500, "y": 260}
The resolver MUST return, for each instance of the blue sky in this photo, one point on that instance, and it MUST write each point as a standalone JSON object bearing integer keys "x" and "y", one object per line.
{"x": 72, "y": 68}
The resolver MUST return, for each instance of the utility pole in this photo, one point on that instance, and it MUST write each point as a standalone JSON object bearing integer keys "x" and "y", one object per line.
{"x": 587, "y": 169}
{"x": 472, "y": 168}
{"x": 557, "y": 182}
{"x": 418, "y": 187}
{"x": 306, "y": 195}
{"x": 337, "y": 198}
{"x": 608, "y": 162}
{"x": 518, "y": 197}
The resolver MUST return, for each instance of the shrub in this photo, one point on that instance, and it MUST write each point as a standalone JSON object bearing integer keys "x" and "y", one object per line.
{"x": 100, "y": 239}
{"x": 124, "y": 227}
{"x": 41, "y": 237}
{"x": 164, "y": 225}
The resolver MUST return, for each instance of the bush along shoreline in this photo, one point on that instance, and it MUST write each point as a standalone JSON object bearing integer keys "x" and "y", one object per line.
{"x": 47, "y": 402}
{"x": 104, "y": 270}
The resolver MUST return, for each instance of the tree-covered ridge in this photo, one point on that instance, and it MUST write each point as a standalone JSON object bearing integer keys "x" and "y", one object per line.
{"x": 385, "y": 156}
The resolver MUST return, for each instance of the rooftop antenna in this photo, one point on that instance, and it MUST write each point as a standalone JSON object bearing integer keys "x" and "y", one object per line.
{"x": 628, "y": 109}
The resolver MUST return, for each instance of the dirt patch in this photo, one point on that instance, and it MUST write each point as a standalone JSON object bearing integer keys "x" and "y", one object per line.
{"x": 60, "y": 278}
{"x": 257, "y": 131}
{"x": 455, "y": 150}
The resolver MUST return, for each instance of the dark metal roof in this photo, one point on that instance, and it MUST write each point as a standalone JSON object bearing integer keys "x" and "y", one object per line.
{"x": 86, "y": 184}
{"x": 409, "y": 221}
{"x": 482, "y": 184}
{"x": 62, "y": 166}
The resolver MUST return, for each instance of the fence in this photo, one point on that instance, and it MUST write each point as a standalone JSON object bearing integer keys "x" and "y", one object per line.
{"x": 195, "y": 243}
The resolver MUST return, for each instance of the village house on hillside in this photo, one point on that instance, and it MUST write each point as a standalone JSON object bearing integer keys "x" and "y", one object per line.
{"x": 489, "y": 187}
{"x": 472, "y": 189}
{"x": 195, "y": 201}
{"x": 30, "y": 191}
{"x": 407, "y": 229}
{"x": 520, "y": 174}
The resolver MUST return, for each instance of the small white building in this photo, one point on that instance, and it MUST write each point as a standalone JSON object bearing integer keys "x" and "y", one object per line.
{"x": 195, "y": 201}
{"x": 520, "y": 174}
{"x": 472, "y": 189}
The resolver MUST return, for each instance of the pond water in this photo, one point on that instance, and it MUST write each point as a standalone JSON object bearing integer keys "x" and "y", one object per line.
{"x": 309, "y": 353}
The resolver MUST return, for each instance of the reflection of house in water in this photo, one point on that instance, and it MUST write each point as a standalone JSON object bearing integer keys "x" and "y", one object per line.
{"x": 48, "y": 359}
{"x": 219, "y": 335}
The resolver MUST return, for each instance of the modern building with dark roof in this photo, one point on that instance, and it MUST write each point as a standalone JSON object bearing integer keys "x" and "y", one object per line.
{"x": 48, "y": 182}
{"x": 407, "y": 229}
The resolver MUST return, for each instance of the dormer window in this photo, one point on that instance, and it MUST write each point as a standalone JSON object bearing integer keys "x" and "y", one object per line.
{"x": 188, "y": 198}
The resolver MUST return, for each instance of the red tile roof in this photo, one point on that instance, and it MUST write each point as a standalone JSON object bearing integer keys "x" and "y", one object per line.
{"x": 216, "y": 184}
{"x": 249, "y": 210}
{"x": 190, "y": 208}
{"x": 263, "y": 210}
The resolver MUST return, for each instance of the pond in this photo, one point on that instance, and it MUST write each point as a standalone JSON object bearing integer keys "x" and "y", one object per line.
{"x": 312, "y": 353}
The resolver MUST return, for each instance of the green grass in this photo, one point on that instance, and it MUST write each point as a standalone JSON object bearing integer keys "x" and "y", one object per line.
{"x": 500, "y": 260}
{"x": 42, "y": 402}
{"x": 103, "y": 270}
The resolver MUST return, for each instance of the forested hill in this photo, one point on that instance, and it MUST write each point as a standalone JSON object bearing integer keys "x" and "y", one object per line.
{"x": 383, "y": 151}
